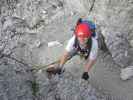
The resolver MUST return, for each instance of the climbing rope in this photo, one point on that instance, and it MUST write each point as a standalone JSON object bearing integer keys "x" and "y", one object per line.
{"x": 44, "y": 67}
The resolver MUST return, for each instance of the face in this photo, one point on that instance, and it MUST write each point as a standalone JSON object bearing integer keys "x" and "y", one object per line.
{"x": 82, "y": 40}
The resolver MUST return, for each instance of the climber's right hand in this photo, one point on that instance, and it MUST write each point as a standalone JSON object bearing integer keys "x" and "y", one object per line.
{"x": 59, "y": 70}
{"x": 55, "y": 70}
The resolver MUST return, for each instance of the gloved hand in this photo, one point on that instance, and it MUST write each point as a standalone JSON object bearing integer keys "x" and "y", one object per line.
{"x": 85, "y": 76}
{"x": 54, "y": 70}
{"x": 59, "y": 71}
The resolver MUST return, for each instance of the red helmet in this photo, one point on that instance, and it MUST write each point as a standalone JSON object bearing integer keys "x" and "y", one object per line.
{"x": 83, "y": 30}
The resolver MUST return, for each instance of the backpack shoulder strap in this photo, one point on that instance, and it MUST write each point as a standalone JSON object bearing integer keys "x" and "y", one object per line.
{"x": 76, "y": 44}
{"x": 89, "y": 43}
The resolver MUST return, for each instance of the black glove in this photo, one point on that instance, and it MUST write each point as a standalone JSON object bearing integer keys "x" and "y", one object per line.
{"x": 59, "y": 70}
{"x": 85, "y": 76}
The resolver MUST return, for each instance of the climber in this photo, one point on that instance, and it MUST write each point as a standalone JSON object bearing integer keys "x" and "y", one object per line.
{"x": 83, "y": 43}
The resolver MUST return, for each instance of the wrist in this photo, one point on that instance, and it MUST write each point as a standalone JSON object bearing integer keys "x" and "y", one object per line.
{"x": 86, "y": 69}
{"x": 60, "y": 66}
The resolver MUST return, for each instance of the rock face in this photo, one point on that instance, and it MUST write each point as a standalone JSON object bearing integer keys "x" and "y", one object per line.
{"x": 16, "y": 77}
{"x": 26, "y": 26}
{"x": 66, "y": 87}
{"x": 15, "y": 81}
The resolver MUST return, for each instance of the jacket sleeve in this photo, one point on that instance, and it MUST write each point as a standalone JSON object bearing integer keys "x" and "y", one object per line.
{"x": 94, "y": 49}
{"x": 70, "y": 44}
